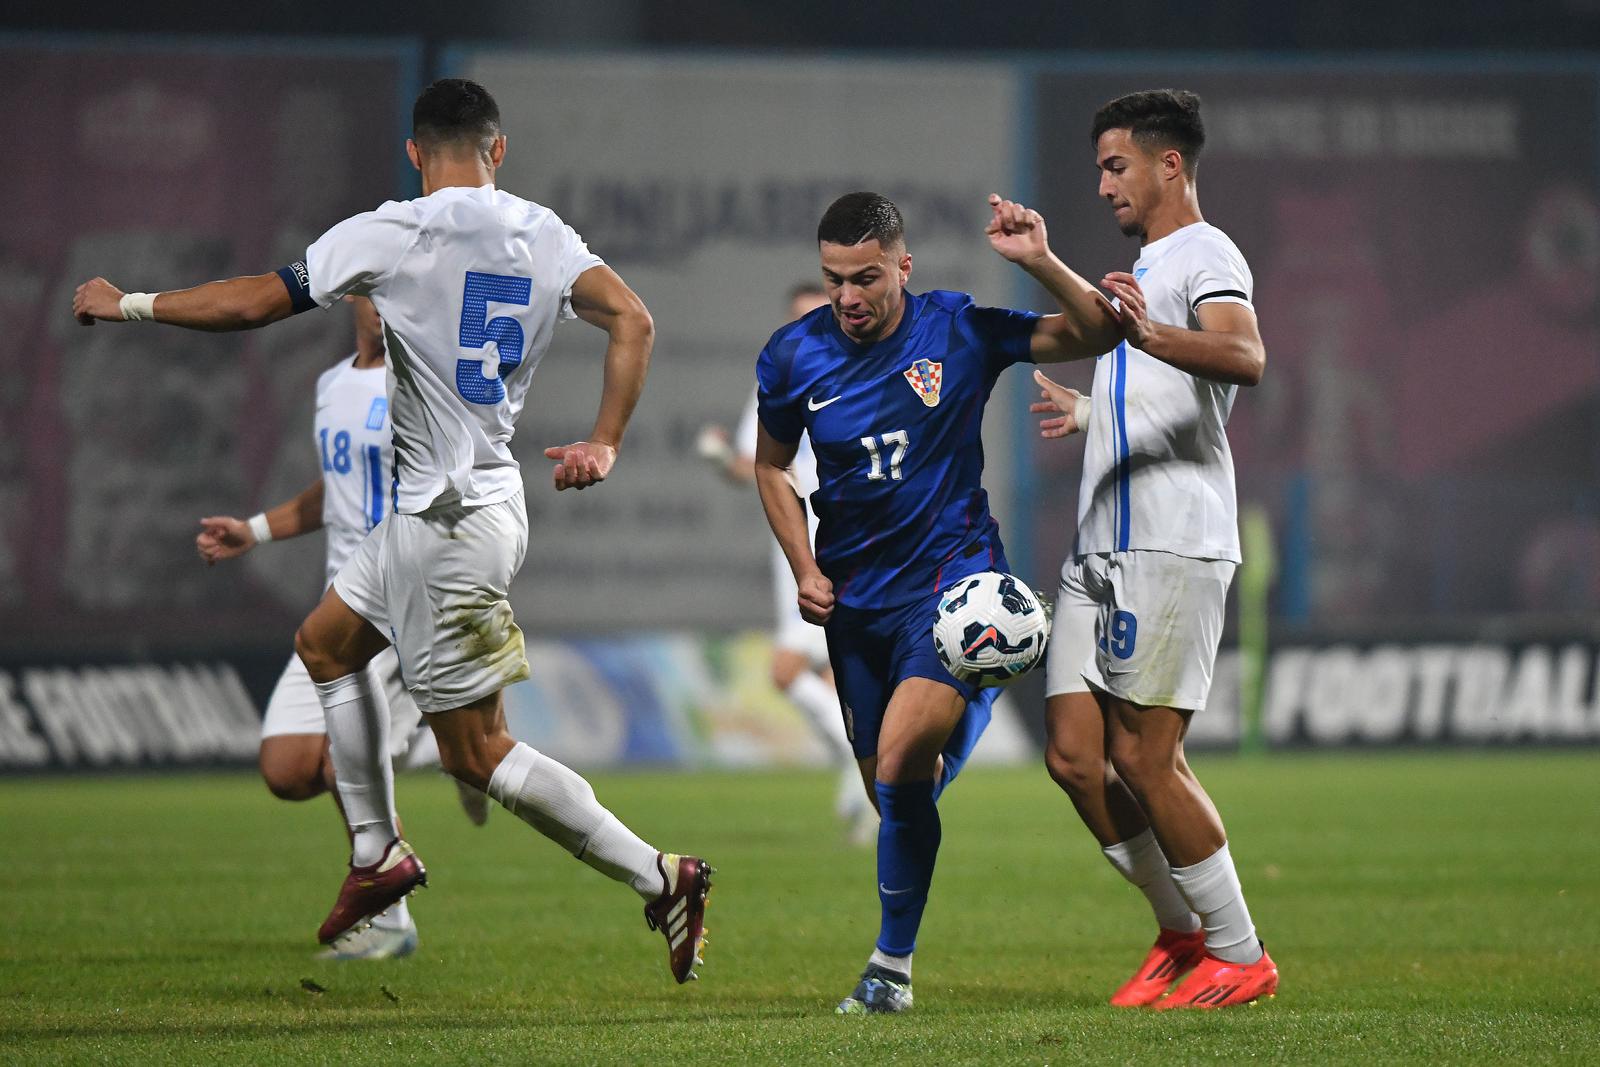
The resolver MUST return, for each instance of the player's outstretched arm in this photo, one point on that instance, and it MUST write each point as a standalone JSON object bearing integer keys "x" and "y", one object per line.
{"x": 1226, "y": 348}
{"x": 225, "y": 537}
{"x": 1086, "y": 325}
{"x": 235, "y": 304}
{"x": 602, "y": 299}
{"x": 787, "y": 517}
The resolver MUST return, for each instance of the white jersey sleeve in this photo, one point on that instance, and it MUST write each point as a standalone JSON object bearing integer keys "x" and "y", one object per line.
{"x": 744, "y": 438}
{"x": 1157, "y": 469}
{"x": 360, "y": 253}
{"x": 470, "y": 283}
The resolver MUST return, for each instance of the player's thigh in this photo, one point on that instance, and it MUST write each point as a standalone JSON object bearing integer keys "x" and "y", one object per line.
{"x": 859, "y": 660}
{"x": 1159, "y": 626}
{"x": 1073, "y": 629}
{"x": 1145, "y": 742}
{"x": 1075, "y": 739}
{"x": 919, "y": 720}
{"x": 334, "y": 640}
{"x": 448, "y": 575}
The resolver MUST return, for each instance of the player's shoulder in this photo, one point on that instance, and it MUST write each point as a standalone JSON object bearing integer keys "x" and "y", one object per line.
{"x": 808, "y": 331}
{"x": 1208, "y": 240}
{"x": 946, "y": 302}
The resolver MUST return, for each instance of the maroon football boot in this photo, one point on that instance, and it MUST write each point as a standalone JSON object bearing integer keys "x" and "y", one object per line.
{"x": 680, "y": 911}
{"x": 369, "y": 890}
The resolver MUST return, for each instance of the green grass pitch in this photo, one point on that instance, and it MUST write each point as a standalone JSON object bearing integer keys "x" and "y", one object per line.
{"x": 1440, "y": 908}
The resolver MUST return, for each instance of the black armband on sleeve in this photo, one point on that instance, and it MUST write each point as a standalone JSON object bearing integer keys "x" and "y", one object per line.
{"x": 298, "y": 282}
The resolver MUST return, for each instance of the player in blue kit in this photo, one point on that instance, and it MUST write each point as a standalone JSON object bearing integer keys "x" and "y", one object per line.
{"x": 891, "y": 387}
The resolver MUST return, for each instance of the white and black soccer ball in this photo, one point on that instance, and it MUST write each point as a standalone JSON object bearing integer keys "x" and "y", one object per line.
{"x": 990, "y": 629}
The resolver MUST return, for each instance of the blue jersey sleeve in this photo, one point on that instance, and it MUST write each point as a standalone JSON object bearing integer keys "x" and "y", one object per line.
{"x": 778, "y": 411}
{"x": 1004, "y": 335}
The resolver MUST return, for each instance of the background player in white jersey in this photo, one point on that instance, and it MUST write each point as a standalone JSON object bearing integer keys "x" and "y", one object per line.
{"x": 470, "y": 282}
{"x": 351, "y": 435}
{"x": 1140, "y": 608}
{"x": 800, "y": 667}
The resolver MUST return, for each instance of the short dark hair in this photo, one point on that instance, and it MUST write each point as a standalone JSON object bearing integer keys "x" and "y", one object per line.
{"x": 1163, "y": 118}
{"x": 455, "y": 111}
{"x": 857, "y": 217}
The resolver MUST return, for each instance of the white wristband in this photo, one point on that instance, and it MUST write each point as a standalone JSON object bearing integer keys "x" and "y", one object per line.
{"x": 1080, "y": 413}
{"x": 137, "y": 307}
{"x": 259, "y": 527}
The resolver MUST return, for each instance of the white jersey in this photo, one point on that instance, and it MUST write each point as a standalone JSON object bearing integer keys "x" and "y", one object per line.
{"x": 1157, "y": 471}
{"x": 470, "y": 284}
{"x": 353, "y": 439}
{"x": 804, "y": 468}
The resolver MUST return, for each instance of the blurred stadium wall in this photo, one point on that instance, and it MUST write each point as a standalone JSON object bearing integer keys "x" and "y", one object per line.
{"x": 1425, "y": 240}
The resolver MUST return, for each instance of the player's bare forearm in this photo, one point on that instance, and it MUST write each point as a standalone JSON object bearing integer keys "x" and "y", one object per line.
{"x": 602, "y": 299}
{"x": 1086, "y": 325}
{"x": 785, "y": 514}
{"x": 1227, "y": 348}
{"x": 243, "y": 303}
{"x": 300, "y": 514}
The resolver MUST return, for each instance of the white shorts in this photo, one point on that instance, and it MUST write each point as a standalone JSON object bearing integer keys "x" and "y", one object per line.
{"x": 437, "y": 584}
{"x": 293, "y": 707}
{"x": 793, "y": 632}
{"x": 1143, "y": 626}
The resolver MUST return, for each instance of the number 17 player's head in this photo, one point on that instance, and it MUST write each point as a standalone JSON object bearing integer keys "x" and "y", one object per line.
{"x": 455, "y": 126}
{"x": 1147, "y": 145}
{"x": 865, "y": 264}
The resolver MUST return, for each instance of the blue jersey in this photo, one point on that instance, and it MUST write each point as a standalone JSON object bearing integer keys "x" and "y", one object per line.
{"x": 895, "y": 425}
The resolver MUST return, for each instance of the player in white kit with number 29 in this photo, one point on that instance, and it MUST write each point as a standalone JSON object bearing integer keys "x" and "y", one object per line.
{"x": 1140, "y": 608}
{"x": 470, "y": 282}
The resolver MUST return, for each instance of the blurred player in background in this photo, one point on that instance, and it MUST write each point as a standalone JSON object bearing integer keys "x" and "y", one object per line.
{"x": 799, "y": 650}
{"x": 890, "y": 386}
{"x": 1140, "y": 607}
{"x": 470, "y": 283}
{"x": 349, "y": 499}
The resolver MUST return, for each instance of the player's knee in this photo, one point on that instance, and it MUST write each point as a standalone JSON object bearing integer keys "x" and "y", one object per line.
{"x": 1139, "y": 762}
{"x": 786, "y": 667}
{"x": 1079, "y": 773}
{"x": 288, "y": 780}
{"x": 318, "y": 662}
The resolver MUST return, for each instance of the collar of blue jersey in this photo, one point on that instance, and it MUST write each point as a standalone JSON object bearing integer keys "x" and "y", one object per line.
{"x": 912, "y": 304}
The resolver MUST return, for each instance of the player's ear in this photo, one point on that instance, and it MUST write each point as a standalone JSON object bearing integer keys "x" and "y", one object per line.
{"x": 905, "y": 268}
{"x": 1171, "y": 164}
{"x": 413, "y": 153}
{"x": 497, "y": 151}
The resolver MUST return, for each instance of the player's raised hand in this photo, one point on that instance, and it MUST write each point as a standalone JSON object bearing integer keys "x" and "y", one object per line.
{"x": 1069, "y": 407}
{"x": 1132, "y": 315}
{"x": 816, "y": 598}
{"x": 581, "y": 464}
{"x": 223, "y": 537}
{"x": 1015, "y": 231}
{"x": 96, "y": 299}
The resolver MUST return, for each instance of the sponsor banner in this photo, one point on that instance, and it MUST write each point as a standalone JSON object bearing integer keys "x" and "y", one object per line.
{"x": 701, "y": 181}
{"x": 123, "y": 715}
{"x": 1415, "y": 692}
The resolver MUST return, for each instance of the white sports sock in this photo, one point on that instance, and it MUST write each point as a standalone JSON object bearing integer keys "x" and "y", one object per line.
{"x": 881, "y": 958}
{"x": 818, "y": 700}
{"x": 556, "y": 801}
{"x": 1212, "y": 889}
{"x": 357, "y": 715}
{"x": 1141, "y": 861}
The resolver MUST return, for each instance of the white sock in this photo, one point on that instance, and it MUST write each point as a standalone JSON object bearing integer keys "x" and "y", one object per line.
{"x": 357, "y": 715}
{"x": 398, "y": 917}
{"x": 556, "y": 801}
{"x": 880, "y": 958}
{"x": 818, "y": 700}
{"x": 1212, "y": 889}
{"x": 1141, "y": 861}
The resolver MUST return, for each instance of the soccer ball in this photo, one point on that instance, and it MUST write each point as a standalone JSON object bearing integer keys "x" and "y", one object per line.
{"x": 990, "y": 629}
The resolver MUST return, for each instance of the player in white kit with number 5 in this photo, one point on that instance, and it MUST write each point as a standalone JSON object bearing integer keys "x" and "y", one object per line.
{"x": 470, "y": 282}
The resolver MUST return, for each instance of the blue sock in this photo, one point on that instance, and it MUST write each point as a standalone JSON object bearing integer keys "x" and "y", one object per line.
{"x": 908, "y": 843}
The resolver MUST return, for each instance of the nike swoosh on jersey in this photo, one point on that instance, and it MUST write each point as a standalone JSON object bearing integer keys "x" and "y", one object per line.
{"x": 814, "y": 406}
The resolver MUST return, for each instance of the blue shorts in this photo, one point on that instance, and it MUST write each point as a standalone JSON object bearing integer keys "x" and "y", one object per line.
{"x": 872, "y": 652}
